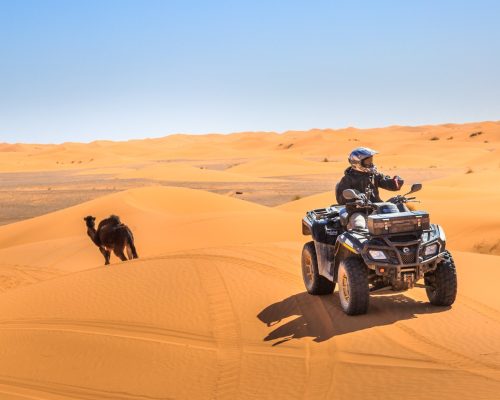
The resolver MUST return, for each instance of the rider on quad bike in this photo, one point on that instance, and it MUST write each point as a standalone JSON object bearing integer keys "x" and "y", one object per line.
{"x": 360, "y": 176}
{"x": 366, "y": 245}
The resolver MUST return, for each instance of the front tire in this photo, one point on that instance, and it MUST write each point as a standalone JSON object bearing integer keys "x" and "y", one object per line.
{"x": 313, "y": 281}
{"x": 441, "y": 284}
{"x": 354, "y": 292}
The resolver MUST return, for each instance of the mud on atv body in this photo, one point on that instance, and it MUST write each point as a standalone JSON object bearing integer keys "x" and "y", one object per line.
{"x": 399, "y": 248}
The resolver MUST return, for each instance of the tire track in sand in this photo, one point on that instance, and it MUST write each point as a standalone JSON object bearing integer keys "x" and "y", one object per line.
{"x": 320, "y": 362}
{"x": 225, "y": 328}
{"x": 416, "y": 342}
{"x": 118, "y": 329}
{"x": 480, "y": 308}
{"x": 267, "y": 269}
{"x": 13, "y": 276}
{"x": 40, "y": 390}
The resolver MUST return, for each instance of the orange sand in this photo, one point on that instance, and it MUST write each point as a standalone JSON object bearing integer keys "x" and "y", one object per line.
{"x": 215, "y": 307}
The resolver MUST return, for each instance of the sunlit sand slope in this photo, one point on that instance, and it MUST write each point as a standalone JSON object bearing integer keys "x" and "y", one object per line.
{"x": 234, "y": 322}
{"x": 162, "y": 219}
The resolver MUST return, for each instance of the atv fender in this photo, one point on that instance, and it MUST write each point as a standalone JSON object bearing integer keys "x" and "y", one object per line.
{"x": 325, "y": 256}
{"x": 350, "y": 242}
{"x": 306, "y": 226}
{"x": 442, "y": 238}
{"x": 346, "y": 246}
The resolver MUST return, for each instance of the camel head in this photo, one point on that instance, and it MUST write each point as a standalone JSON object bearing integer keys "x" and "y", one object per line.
{"x": 90, "y": 221}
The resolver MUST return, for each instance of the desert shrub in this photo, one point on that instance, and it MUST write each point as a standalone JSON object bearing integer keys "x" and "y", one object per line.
{"x": 434, "y": 138}
{"x": 296, "y": 197}
{"x": 487, "y": 247}
{"x": 469, "y": 171}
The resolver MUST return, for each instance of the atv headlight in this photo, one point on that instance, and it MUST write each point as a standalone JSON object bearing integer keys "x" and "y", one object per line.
{"x": 377, "y": 255}
{"x": 431, "y": 250}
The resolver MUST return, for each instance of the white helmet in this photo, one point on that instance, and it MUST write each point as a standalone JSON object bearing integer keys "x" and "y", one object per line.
{"x": 357, "y": 159}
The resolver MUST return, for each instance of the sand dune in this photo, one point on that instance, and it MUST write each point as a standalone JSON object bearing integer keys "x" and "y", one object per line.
{"x": 234, "y": 322}
{"x": 162, "y": 219}
{"x": 433, "y": 143}
{"x": 215, "y": 306}
{"x": 285, "y": 166}
{"x": 183, "y": 172}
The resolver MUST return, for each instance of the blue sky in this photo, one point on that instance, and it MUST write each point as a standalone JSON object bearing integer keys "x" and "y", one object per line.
{"x": 85, "y": 70}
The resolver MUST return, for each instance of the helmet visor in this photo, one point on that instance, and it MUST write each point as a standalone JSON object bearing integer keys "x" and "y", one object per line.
{"x": 367, "y": 162}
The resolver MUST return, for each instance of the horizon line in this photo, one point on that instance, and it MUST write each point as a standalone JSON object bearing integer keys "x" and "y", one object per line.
{"x": 256, "y": 131}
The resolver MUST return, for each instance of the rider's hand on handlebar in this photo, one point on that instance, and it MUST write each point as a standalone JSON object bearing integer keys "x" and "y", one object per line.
{"x": 398, "y": 181}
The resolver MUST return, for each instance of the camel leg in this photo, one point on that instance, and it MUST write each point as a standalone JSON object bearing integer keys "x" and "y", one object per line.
{"x": 119, "y": 254}
{"x": 132, "y": 249}
{"x": 131, "y": 252}
{"x": 106, "y": 255}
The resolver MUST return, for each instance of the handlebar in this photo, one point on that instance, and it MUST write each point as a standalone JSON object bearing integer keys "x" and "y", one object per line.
{"x": 363, "y": 200}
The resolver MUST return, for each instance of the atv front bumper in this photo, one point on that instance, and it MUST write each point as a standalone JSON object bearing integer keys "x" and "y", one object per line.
{"x": 398, "y": 272}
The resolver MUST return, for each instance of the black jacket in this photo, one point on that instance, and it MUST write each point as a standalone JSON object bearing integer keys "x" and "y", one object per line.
{"x": 360, "y": 181}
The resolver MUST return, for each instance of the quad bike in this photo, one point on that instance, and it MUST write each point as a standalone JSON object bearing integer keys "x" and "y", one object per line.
{"x": 397, "y": 248}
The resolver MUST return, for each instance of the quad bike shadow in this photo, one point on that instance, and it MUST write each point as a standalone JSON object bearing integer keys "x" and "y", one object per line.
{"x": 321, "y": 318}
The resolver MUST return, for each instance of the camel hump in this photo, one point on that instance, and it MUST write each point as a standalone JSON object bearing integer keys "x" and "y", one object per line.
{"x": 112, "y": 220}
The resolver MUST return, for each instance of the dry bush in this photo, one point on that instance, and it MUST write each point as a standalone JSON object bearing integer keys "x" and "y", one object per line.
{"x": 484, "y": 247}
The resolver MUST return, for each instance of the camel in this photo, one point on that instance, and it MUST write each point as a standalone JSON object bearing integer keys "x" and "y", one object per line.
{"x": 111, "y": 235}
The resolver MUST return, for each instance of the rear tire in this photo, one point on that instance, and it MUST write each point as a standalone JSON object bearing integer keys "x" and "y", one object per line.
{"x": 313, "y": 281}
{"x": 441, "y": 284}
{"x": 354, "y": 292}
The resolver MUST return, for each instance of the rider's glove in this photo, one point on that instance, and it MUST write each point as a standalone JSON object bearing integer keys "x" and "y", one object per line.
{"x": 398, "y": 181}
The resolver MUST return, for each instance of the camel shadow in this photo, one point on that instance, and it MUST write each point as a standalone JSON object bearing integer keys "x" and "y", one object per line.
{"x": 321, "y": 317}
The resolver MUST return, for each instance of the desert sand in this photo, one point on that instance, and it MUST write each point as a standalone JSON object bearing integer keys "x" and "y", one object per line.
{"x": 215, "y": 306}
